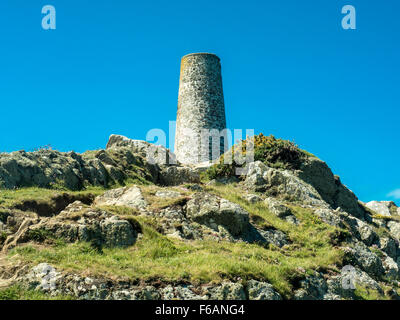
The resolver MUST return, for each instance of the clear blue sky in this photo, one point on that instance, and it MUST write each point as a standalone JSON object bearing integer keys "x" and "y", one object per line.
{"x": 289, "y": 69}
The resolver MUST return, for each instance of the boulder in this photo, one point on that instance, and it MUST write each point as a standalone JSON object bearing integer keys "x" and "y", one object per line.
{"x": 330, "y": 217}
{"x": 273, "y": 236}
{"x": 152, "y": 153}
{"x": 262, "y": 291}
{"x": 394, "y": 228}
{"x": 281, "y": 210}
{"x": 313, "y": 287}
{"x": 50, "y": 168}
{"x": 391, "y": 268}
{"x": 77, "y": 223}
{"x": 277, "y": 208}
{"x": 342, "y": 285}
{"x": 212, "y": 211}
{"x": 117, "y": 232}
{"x": 180, "y": 292}
{"x": 226, "y": 291}
{"x": 127, "y": 196}
{"x": 361, "y": 256}
{"x": 252, "y": 198}
{"x": 43, "y": 277}
{"x": 383, "y": 208}
{"x": 358, "y": 228}
{"x": 282, "y": 183}
{"x": 46, "y": 168}
{"x": 389, "y": 246}
{"x": 317, "y": 173}
{"x": 314, "y": 184}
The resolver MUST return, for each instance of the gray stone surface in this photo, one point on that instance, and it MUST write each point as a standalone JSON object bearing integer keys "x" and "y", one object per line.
{"x": 389, "y": 246}
{"x": 262, "y": 291}
{"x": 43, "y": 277}
{"x": 152, "y": 153}
{"x": 50, "y": 168}
{"x": 360, "y": 255}
{"x": 127, "y": 196}
{"x": 313, "y": 185}
{"x": 356, "y": 277}
{"x": 317, "y": 173}
{"x": 313, "y": 287}
{"x": 391, "y": 268}
{"x": 181, "y": 292}
{"x": 281, "y": 182}
{"x": 394, "y": 227}
{"x": 384, "y": 208}
{"x": 77, "y": 223}
{"x": 330, "y": 217}
{"x": 212, "y": 211}
{"x": 252, "y": 198}
{"x": 200, "y": 106}
{"x": 44, "y": 168}
{"x": 226, "y": 291}
{"x": 46, "y": 278}
{"x": 277, "y": 208}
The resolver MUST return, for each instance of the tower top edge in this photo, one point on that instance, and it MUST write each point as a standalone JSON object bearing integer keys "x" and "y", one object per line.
{"x": 201, "y": 54}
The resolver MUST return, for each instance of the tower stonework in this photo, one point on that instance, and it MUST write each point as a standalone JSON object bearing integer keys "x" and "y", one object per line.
{"x": 200, "y": 108}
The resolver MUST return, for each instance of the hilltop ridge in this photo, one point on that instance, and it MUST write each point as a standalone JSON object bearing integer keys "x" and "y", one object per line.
{"x": 113, "y": 224}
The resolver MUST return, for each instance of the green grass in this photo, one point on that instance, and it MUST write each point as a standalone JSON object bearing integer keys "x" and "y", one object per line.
{"x": 155, "y": 256}
{"x": 311, "y": 234}
{"x": 9, "y": 198}
{"x": 362, "y": 293}
{"x": 16, "y": 292}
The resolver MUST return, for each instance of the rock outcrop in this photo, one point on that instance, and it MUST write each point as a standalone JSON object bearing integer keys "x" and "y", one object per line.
{"x": 124, "y": 160}
{"x": 46, "y": 278}
{"x": 214, "y": 212}
{"x": 384, "y": 208}
{"x": 77, "y": 223}
{"x": 314, "y": 184}
{"x": 127, "y": 196}
{"x": 270, "y": 213}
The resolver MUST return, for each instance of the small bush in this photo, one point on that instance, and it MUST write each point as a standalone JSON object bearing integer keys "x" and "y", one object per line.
{"x": 278, "y": 153}
{"x": 275, "y": 153}
{"x": 220, "y": 170}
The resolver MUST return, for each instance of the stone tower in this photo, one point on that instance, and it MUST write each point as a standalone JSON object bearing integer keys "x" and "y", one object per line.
{"x": 200, "y": 106}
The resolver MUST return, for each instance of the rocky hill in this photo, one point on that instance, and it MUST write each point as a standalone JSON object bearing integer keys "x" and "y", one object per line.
{"x": 113, "y": 224}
